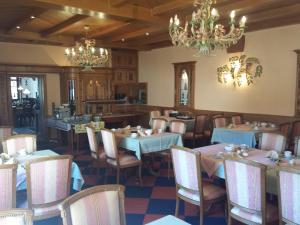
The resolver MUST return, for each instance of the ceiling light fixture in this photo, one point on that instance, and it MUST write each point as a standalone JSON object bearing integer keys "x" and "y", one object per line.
{"x": 202, "y": 32}
{"x": 147, "y": 34}
{"x": 18, "y": 27}
{"x": 32, "y": 17}
{"x": 123, "y": 39}
{"x": 85, "y": 54}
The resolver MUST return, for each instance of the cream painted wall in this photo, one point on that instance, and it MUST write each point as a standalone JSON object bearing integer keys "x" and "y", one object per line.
{"x": 273, "y": 93}
{"x": 12, "y": 53}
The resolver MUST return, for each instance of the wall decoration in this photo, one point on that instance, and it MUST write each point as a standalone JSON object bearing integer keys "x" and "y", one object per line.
{"x": 240, "y": 71}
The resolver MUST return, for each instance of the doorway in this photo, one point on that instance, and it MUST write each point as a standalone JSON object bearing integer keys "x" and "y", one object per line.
{"x": 27, "y": 103}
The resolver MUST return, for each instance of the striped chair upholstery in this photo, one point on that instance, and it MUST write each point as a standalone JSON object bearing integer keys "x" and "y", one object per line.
{"x": 289, "y": 195}
{"x": 245, "y": 182}
{"x": 95, "y": 206}
{"x": 154, "y": 114}
{"x": 116, "y": 159}
{"x": 48, "y": 184}
{"x": 297, "y": 146}
{"x": 97, "y": 152}
{"x": 177, "y": 126}
{"x": 189, "y": 184}
{"x": 8, "y": 174}
{"x": 5, "y": 131}
{"x": 16, "y": 217}
{"x": 13, "y": 144}
{"x": 236, "y": 119}
{"x": 167, "y": 112}
{"x": 159, "y": 124}
{"x": 272, "y": 141}
{"x": 219, "y": 122}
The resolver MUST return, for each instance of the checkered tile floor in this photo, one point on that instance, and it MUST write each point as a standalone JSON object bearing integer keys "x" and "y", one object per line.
{"x": 155, "y": 199}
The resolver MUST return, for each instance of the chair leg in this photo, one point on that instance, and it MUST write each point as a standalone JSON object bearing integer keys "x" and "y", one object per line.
{"x": 177, "y": 206}
{"x": 118, "y": 175}
{"x": 201, "y": 216}
{"x": 140, "y": 175}
{"x": 106, "y": 175}
{"x": 229, "y": 220}
{"x": 169, "y": 166}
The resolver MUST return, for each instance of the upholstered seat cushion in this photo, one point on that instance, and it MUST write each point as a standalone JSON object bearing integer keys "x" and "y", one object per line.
{"x": 124, "y": 160}
{"x": 210, "y": 192}
{"x": 271, "y": 214}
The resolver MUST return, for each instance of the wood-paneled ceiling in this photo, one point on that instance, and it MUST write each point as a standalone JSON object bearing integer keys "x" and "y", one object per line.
{"x": 133, "y": 24}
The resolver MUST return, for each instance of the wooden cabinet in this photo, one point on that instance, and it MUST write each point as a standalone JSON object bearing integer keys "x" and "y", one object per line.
{"x": 125, "y": 76}
{"x": 124, "y": 59}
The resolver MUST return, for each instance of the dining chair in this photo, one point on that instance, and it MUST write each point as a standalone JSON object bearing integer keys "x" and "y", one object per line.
{"x": 167, "y": 112}
{"x": 159, "y": 123}
{"x": 48, "y": 184}
{"x": 297, "y": 146}
{"x": 155, "y": 114}
{"x": 295, "y": 132}
{"x": 189, "y": 184}
{"x": 178, "y": 127}
{"x": 236, "y": 119}
{"x": 246, "y": 192}
{"x": 116, "y": 160}
{"x": 199, "y": 131}
{"x": 12, "y": 144}
{"x": 8, "y": 173}
{"x": 103, "y": 204}
{"x": 16, "y": 217}
{"x": 5, "y": 131}
{"x": 288, "y": 186}
{"x": 219, "y": 122}
{"x": 272, "y": 141}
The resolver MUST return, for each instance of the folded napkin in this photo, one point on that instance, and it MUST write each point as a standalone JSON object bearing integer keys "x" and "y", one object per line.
{"x": 141, "y": 133}
{"x": 10, "y": 161}
{"x": 272, "y": 154}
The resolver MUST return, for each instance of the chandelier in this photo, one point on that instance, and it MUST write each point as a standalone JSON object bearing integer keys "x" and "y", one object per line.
{"x": 240, "y": 71}
{"x": 85, "y": 53}
{"x": 202, "y": 32}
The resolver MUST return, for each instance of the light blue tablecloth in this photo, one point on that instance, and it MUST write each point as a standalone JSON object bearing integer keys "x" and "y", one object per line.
{"x": 153, "y": 143}
{"x": 168, "y": 220}
{"x": 76, "y": 175}
{"x": 224, "y": 135}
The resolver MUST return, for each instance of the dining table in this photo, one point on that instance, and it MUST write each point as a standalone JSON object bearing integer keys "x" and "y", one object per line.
{"x": 155, "y": 142}
{"x": 240, "y": 134}
{"x": 212, "y": 162}
{"x": 21, "y": 184}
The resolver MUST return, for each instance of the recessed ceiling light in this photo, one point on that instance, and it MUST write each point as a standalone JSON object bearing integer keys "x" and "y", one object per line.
{"x": 18, "y": 27}
{"x": 123, "y": 39}
{"x": 147, "y": 33}
{"x": 32, "y": 17}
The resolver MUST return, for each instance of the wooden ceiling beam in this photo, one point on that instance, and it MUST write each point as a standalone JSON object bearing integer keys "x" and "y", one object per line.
{"x": 63, "y": 26}
{"x": 106, "y": 30}
{"x": 24, "y": 20}
{"x": 117, "y": 3}
{"x": 137, "y": 33}
{"x": 150, "y": 39}
{"x": 28, "y": 37}
{"x": 96, "y": 8}
{"x": 172, "y": 6}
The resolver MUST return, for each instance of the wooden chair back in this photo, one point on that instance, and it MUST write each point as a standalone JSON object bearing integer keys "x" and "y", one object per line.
{"x": 272, "y": 141}
{"x": 16, "y": 217}
{"x": 8, "y": 173}
{"x": 11, "y": 145}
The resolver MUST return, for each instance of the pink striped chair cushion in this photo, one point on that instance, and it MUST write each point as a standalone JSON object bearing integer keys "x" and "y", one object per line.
{"x": 92, "y": 139}
{"x": 178, "y": 127}
{"x": 12, "y": 220}
{"x": 49, "y": 180}
{"x": 290, "y": 196}
{"x": 6, "y": 192}
{"x": 236, "y": 120}
{"x": 297, "y": 147}
{"x": 185, "y": 167}
{"x": 155, "y": 114}
{"x": 109, "y": 143}
{"x": 220, "y": 122}
{"x": 13, "y": 145}
{"x": 244, "y": 184}
{"x": 124, "y": 160}
{"x": 97, "y": 209}
{"x": 272, "y": 141}
{"x": 271, "y": 214}
{"x": 5, "y": 132}
{"x": 159, "y": 124}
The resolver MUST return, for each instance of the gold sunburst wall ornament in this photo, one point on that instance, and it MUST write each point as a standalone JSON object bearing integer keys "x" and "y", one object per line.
{"x": 240, "y": 71}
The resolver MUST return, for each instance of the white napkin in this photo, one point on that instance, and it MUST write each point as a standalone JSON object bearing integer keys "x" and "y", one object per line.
{"x": 272, "y": 154}
{"x": 141, "y": 133}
